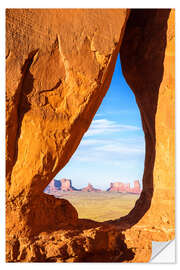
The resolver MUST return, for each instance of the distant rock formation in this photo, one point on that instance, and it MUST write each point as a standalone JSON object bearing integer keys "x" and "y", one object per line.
{"x": 52, "y": 187}
{"x": 66, "y": 185}
{"x": 90, "y": 188}
{"x": 137, "y": 187}
{"x": 60, "y": 185}
{"x": 125, "y": 188}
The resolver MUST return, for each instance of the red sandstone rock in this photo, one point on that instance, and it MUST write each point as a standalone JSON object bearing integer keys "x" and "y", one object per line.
{"x": 125, "y": 188}
{"x": 59, "y": 64}
{"x": 51, "y": 187}
{"x": 90, "y": 188}
{"x": 136, "y": 189}
{"x": 66, "y": 185}
{"x": 148, "y": 64}
{"x": 60, "y": 185}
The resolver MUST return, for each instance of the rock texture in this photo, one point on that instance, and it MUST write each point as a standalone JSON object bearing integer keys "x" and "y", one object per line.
{"x": 148, "y": 58}
{"x": 59, "y": 64}
{"x": 125, "y": 187}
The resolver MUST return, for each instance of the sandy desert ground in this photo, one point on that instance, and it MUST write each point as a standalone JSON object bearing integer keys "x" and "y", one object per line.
{"x": 100, "y": 206}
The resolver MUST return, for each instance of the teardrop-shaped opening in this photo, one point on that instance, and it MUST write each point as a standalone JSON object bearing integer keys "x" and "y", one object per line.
{"x": 103, "y": 179}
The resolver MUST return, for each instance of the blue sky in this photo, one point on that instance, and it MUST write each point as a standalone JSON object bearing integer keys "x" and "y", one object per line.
{"x": 113, "y": 147}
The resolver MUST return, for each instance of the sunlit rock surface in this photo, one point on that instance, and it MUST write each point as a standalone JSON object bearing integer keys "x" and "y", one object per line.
{"x": 59, "y": 64}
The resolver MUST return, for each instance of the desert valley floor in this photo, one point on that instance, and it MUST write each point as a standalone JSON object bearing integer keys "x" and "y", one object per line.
{"x": 100, "y": 206}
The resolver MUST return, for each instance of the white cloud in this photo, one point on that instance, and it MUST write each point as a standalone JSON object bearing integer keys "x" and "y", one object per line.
{"x": 120, "y": 149}
{"x": 94, "y": 142}
{"x": 104, "y": 126}
{"x": 95, "y": 150}
{"x": 100, "y": 114}
{"x": 110, "y": 148}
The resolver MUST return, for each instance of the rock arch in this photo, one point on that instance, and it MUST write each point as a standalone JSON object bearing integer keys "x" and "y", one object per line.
{"x": 59, "y": 66}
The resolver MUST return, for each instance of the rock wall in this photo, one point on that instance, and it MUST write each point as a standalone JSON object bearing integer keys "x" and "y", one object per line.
{"x": 59, "y": 64}
{"x": 147, "y": 55}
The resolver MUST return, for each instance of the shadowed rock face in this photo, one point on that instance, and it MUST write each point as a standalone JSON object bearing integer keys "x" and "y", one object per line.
{"x": 59, "y": 64}
{"x": 147, "y": 56}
